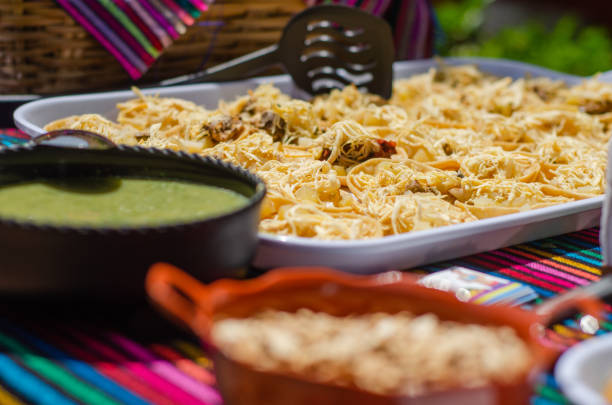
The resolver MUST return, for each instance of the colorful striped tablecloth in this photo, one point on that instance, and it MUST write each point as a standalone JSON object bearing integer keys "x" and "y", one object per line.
{"x": 136, "y": 32}
{"x": 133, "y": 356}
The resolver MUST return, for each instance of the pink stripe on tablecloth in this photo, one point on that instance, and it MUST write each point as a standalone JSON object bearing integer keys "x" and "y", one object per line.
{"x": 422, "y": 21}
{"x": 171, "y": 391}
{"x": 515, "y": 274}
{"x": 182, "y": 14}
{"x": 381, "y": 7}
{"x": 125, "y": 35}
{"x": 536, "y": 274}
{"x": 142, "y": 25}
{"x": 112, "y": 371}
{"x": 541, "y": 267}
{"x": 402, "y": 39}
{"x": 110, "y": 35}
{"x": 578, "y": 272}
{"x": 134, "y": 72}
{"x": 159, "y": 18}
{"x": 184, "y": 364}
{"x": 199, "y": 4}
{"x": 412, "y": 45}
{"x": 166, "y": 369}
{"x": 367, "y": 5}
{"x": 169, "y": 16}
{"x": 115, "y": 372}
{"x": 151, "y": 22}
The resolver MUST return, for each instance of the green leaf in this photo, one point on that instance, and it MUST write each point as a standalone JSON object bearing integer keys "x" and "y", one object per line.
{"x": 568, "y": 47}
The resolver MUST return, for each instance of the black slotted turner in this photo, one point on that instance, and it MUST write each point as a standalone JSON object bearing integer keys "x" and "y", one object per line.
{"x": 322, "y": 48}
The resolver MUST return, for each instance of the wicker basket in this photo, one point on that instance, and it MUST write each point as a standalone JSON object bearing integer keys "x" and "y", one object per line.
{"x": 44, "y": 51}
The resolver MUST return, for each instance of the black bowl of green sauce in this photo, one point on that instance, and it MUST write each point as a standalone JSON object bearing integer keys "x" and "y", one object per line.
{"x": 87, "y": 221}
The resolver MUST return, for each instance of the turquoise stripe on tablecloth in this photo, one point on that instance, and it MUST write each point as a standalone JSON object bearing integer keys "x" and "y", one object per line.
{"x": 79, "y": 368}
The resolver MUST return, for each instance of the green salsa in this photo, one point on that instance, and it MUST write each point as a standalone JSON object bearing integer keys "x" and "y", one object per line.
{"x": 115, "y": 202}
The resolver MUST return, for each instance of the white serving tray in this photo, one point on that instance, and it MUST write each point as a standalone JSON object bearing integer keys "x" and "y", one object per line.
{"x": 362, "y": 256}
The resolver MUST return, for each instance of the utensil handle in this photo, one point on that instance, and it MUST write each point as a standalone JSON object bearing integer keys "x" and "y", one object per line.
{"x": 74, "y": 138}
{"x": 559, "y": 308}
{"x": 587, "y": 299}
{"x": 179, "y": 294}
{"x": 234, "y": 69}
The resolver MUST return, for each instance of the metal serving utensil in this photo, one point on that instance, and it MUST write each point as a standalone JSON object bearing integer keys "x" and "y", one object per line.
{"x": 73, "y": 138}
{"x": 322, "y": 48}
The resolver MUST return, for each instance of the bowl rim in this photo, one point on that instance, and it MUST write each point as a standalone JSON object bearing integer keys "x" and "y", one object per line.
{"x": 235, "y": 171}
{"x": 567, "y": 370}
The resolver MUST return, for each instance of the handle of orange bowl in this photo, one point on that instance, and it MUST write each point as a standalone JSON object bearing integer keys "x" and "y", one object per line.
{"x": 586, "y": 300}
{"x": 560, "y": 308}
{"x": 565, "y": 305}
{"x": 180, "y": 295}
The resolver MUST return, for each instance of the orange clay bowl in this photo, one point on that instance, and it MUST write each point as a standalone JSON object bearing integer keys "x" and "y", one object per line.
{"x": 197, "y": 306}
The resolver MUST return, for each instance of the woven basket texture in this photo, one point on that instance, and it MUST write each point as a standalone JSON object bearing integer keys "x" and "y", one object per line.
{"x": 44, "y": 51}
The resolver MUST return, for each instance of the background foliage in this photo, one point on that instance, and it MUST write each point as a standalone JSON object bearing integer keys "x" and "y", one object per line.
{"x": 569, "y": 46}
